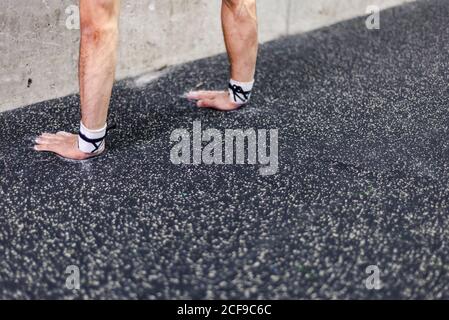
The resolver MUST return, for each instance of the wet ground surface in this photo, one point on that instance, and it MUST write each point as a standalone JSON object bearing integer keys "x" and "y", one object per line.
{"x": 363, "y": 179}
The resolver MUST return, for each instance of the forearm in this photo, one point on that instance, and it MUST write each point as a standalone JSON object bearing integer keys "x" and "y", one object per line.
{"x": 97, "y": 62}
{"x": 239, "y": 20}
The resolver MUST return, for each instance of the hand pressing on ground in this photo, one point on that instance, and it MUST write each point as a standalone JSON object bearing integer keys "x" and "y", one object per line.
{"x": 218, "y": 100}
{"x": 63, "y": 144}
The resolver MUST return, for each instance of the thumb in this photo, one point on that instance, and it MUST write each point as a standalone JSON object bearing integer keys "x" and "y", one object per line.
{"x": 205, "y": 103}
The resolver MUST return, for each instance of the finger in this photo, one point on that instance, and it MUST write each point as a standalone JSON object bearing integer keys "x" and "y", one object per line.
{"x": 200, "y": 95}
{"x": 45, "y": 140}
{"x": 64, "y": 134}
{"x": 46, "y": 134}
{"x": 44, "y": 147}
{"x": 49, "y": 136}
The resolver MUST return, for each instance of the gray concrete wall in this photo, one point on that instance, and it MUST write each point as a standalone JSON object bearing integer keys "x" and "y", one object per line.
{"x": 39, "y": 39}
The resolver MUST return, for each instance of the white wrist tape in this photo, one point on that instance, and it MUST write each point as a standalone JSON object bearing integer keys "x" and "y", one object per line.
{"x": 240, "y": 92}
{"x": 91, "y": 141}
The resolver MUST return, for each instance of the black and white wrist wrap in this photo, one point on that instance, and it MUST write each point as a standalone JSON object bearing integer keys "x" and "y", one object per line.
{"x": 92, "y": 141}
{"x": 240, "y": 92}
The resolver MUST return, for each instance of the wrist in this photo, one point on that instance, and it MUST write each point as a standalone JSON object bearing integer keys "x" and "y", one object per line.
{"x": 91, "y": 141}
{"x": 240, "y": 92}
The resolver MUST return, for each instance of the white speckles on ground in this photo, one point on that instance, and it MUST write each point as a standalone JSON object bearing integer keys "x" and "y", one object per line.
{"x": 364, "y": 168}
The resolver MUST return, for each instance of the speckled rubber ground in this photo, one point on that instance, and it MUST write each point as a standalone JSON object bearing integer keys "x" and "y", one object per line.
{"x": 363, "y": 119}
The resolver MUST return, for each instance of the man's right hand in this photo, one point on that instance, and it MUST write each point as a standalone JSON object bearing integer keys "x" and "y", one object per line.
{"x": 63, "y": 144}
